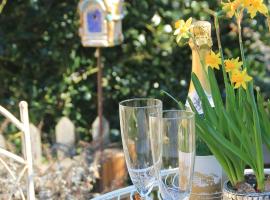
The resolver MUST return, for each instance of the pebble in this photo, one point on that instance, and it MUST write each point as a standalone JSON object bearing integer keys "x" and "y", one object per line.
{"x": 245, "y": 188}
{"x": 267, "y": 185}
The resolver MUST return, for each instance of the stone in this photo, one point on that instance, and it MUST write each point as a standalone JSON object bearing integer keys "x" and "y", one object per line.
{"x": 106, "y": 130}
{"x": 245, "y": 188}
{"x": 36, "y": 144}
{"x": 267, "y": 185}
{"x": 65, "y": 135}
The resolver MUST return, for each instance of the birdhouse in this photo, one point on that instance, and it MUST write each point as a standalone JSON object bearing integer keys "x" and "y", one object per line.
{"x": 101, "y": 22}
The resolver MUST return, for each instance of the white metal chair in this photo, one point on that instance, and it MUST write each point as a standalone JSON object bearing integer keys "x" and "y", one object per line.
{"x": 27, "y": 161}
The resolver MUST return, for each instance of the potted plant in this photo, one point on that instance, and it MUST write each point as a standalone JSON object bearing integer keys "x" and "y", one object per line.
{"x": 234, "y": 129}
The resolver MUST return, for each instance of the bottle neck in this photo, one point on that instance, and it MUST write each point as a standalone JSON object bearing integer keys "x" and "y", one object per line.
{"x": 197, "y": 68}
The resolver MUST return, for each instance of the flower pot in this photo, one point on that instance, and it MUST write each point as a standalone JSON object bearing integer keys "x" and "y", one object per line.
{"x": 230, "y": 194}
{"x": 207, "y": 180}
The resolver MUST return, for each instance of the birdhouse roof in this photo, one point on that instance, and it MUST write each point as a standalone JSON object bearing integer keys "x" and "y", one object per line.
{"x": 109, "y": 5}
{"x": 83, "y": 5}
{"x": 112, "y": 7}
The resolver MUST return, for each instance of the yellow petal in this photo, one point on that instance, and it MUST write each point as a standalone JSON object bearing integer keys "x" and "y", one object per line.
{"x": 263, "y": 9}
{"x": 244, "y": 85}
{"x": 237, "y": 85}
{"x": 176, "y": 32}
{"x": 189, "y": 21}
{"x": 252, "y": 11}
{"x": 178, "y": 38}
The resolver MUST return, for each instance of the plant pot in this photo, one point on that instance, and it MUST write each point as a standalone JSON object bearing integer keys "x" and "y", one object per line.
{"x": 230, "y": 194}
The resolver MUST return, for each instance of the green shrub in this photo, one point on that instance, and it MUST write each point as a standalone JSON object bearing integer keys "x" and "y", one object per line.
{"x": 43, "y": 62}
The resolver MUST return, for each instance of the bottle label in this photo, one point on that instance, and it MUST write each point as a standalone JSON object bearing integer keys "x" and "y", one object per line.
{"x": 197, "y": 102}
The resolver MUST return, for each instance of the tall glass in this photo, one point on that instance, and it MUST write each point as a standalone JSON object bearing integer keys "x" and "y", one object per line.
{"x": 134, "y": 122}
{"x": 173, "y": 138}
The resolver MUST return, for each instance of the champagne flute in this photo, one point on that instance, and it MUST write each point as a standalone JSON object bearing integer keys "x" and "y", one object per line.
{"x": 173, "y": 138}
{"x": 134, "y": 122}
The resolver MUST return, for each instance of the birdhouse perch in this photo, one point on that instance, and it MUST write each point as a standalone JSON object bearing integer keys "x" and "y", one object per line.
{"x": 101, "y": 22}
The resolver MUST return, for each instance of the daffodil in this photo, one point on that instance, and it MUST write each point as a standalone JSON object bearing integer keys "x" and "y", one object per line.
{"x": 232, "y": 64}
{"x": 246, "y": 3}
{"x": 254, "y": 6}
{"x": 240, "y": 78}
{"x": 213, "y": 60}
{"x": 182, "y": 29}
{"x": 232, "y": 7}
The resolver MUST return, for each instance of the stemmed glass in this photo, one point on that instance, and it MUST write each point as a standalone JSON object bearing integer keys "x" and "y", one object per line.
{"x": 134, "y": 122}
{"x": 173, "y": 138}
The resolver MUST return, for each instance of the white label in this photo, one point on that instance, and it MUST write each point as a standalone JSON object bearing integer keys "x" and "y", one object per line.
{"x": 197, "y": 102}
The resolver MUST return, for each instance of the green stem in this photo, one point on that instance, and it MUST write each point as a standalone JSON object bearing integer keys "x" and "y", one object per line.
{"x": 220, "y": 50}
{"x": 239, "y": 20}
{"x": 181, "y": 106}
{"x": 240, "y": 171}
{"x": 259, "y": 167}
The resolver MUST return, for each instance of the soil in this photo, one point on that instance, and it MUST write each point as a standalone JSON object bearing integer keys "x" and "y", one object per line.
{"x": 267, "y": 185}
{"x": 250, "y": 184}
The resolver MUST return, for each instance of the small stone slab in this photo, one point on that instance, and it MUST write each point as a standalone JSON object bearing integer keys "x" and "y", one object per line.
{"x": 105, "y": 129}
{"x": 65, "y": 134}
{"x": 36, "y": 144}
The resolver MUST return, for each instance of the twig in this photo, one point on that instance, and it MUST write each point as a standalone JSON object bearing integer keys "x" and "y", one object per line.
{"x": 2, "y": 5}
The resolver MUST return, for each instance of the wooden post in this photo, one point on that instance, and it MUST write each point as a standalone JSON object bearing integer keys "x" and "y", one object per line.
{"x": 100, "y": 95}
{"x": 28, "y": 150}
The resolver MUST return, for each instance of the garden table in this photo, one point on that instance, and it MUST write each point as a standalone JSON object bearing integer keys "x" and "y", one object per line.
{"x": 131, "y": 190}
{"x": 126, "y": 192}
{"x": 122, "y": 193}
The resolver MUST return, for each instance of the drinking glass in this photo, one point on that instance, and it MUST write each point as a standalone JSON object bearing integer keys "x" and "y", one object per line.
{"x": 173, "y": 138}
{"x": 134, "y": 122}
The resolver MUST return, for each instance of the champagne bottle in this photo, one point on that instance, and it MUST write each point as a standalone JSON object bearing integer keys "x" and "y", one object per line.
{"x": 200, "y": 45}
{"x": 207, "y": 182}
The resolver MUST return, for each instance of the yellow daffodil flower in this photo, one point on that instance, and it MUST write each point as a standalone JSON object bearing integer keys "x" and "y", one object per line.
{"x": 182, "y": 29}
{"x": 231, "y": 7}
{"x": 246, "y": 3}
{"x": 213, "y": 60}
{"x": 252, "y": 6}
{"x": 232, "y": 64}
{"x": 240, "y": 78}
{"x": 256, "y": 6}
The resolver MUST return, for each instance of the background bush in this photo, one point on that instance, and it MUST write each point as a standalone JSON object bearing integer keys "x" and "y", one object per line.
{"x": 43, "y": 62}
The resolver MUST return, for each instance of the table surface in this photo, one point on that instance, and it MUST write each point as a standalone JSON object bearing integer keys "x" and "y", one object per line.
{"x": 131, "y": 190}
